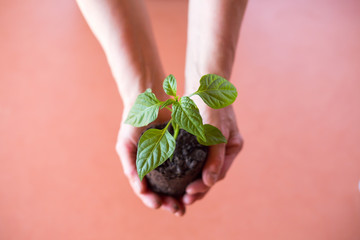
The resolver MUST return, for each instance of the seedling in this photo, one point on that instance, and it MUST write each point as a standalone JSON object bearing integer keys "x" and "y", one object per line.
{"x": 156, "y": 146}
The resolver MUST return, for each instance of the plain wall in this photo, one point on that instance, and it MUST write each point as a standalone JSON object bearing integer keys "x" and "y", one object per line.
{"x": 297, "y": 70}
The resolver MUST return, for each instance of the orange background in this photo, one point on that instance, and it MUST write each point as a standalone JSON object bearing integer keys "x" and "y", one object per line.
{"x": 298, "y": 73}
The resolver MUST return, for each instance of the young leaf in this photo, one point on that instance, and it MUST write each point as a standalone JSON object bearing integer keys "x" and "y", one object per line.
{"x": 213, "y": 136}
{"x": 155, "y": 146}
{"x": 167, "y": 103}
{"x": 216, "y": 92}
{"x": 145, "y": 109}
{"x": 170, "y": 85}
{"x": 187, "y": 116}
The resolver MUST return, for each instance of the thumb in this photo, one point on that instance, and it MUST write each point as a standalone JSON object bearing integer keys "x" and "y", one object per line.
{"x": 214, "y": 164}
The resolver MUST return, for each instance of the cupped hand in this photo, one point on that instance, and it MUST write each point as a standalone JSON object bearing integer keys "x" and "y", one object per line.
{"x": 221, "y": 156}
{"x": 126, "y": 148}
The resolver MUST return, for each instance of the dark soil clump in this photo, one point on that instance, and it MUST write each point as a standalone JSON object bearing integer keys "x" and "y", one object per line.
{"x": 173, "y": 176}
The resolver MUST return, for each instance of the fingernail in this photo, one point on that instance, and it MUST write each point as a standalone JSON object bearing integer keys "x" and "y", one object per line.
{"x": 152, "y": 204}
{"x": 212, "y": 178}
{"x": 186, "y": 200}
{"x": 178, "y": 214}
{"x": 190, "y": 191}
{"x": 149, "y": 204}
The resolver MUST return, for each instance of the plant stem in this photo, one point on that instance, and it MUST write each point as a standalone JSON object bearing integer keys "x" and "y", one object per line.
{"x": 191, "y": 94}
{"x": 176, "y": 130}
{"x": 167, "y": 125}
{"x": 169, "y": 109}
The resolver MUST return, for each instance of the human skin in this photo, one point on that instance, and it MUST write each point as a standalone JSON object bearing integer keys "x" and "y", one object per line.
{"x": 124, "y": 32}
{"x": 213, "y": 31}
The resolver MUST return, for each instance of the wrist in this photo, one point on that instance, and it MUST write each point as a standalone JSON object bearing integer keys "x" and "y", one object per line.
{"x": 192, "y": 78}
{"x": 130, "y": 87}
{"x": 130, "y": 93}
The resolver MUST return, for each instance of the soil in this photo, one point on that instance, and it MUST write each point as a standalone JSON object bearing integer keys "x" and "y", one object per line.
{"x": 173, "y": 176}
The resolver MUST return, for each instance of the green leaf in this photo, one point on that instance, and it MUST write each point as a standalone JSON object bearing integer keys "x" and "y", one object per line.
{"x": 145, "y": 109}
{"x": 216, "y": 91}
{"x": 213, "y": 136}
{"x": 167, "y": 103}
{"x": 170, "y": 85}
{"x": 155, "y": 146}
{"x": 187, "y": 116}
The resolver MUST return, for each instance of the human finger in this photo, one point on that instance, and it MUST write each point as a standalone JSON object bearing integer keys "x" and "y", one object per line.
{"x": 172, "y": 205}
{"x": 189, "y": 199}
{"x": 213, "y": 164}
{"x": 198, "y": 186}
{"x": 233, "y": 147}
{"x": 127, "y": 158}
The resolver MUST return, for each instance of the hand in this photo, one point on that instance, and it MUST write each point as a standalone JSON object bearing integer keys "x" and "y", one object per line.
{"x": 211, "y": 45}
{"x": 126, "y": 148}
{"x": 220, "y": 156}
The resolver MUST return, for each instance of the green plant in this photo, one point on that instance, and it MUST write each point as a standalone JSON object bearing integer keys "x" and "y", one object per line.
{"x": 155, "y": 146}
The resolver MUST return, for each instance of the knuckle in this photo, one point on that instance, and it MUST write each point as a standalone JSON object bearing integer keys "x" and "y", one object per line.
{"x": 238, "y": 142}
{"x": 123, "y": 147}
{"x": 126, "y": 173}
{"x": 129, "y": 173}
{"x": 118, "y": 148}
{"x": 214, "y": 166}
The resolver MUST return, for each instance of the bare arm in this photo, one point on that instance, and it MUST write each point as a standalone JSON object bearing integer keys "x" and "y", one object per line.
{"x": 122, "y": 28}
{"x": 213, "y": 31}
{"x": 124, "y": 32}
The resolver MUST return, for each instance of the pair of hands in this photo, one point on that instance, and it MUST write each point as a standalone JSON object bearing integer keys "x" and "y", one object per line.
{"x": 219, "y": 160}
{"x": 124, "y": 31}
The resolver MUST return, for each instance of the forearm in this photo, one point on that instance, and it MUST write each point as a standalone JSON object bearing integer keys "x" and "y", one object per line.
{"x": 124, "y": 32}
{"x": 213, "y": 31}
